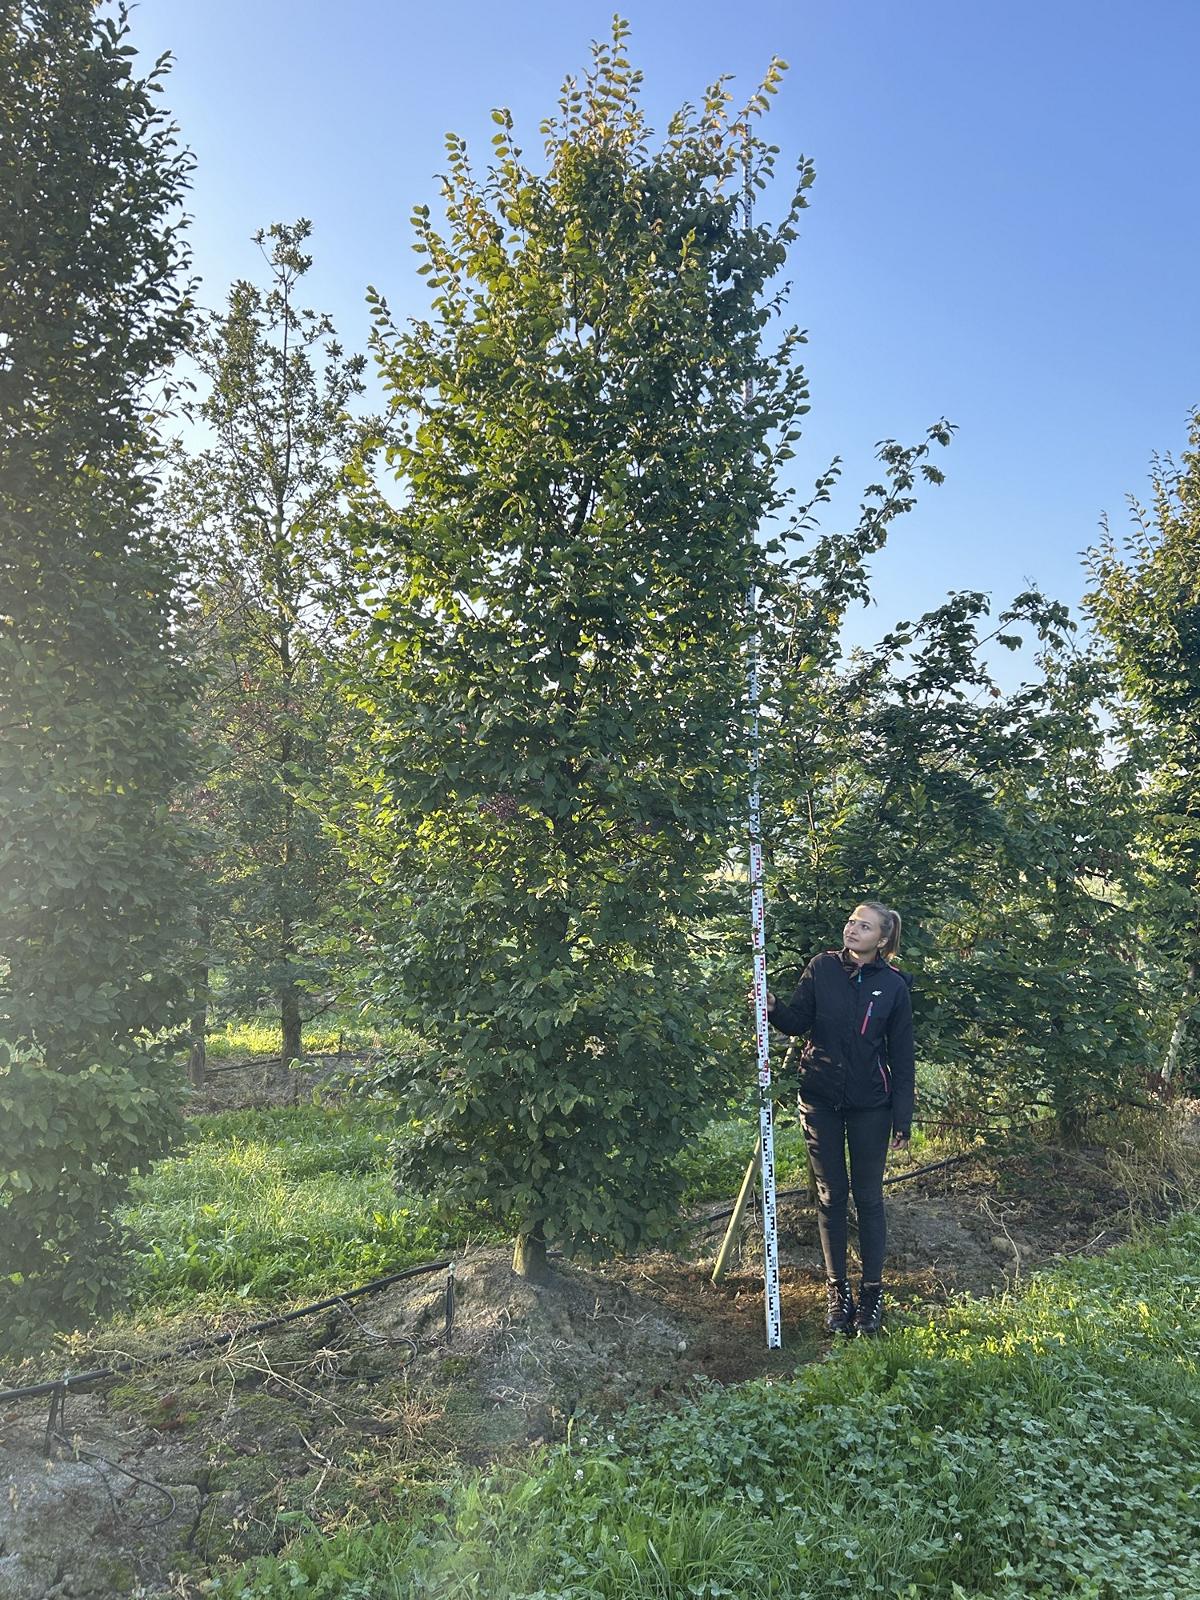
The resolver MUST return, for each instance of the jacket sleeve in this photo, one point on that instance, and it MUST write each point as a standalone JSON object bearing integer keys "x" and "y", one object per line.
{"x": 796, "y": 1017}
{"x": 901, "y": 1059}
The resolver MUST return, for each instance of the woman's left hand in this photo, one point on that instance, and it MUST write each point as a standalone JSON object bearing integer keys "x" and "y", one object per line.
{"x": 900, "y": 1141}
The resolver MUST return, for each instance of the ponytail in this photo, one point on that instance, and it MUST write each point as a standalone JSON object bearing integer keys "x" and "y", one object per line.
{"x": 890, "y": 921}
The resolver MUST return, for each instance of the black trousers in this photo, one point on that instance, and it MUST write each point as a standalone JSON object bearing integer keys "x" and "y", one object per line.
{"x": 828, "y": 1134}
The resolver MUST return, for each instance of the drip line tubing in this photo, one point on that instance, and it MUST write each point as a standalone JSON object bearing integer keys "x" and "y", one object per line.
{"x": 898, "y": 1177}
{"x": 214, "y": 1341}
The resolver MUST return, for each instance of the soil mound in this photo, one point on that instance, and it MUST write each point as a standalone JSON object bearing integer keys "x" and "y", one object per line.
{"x": 187, "y": 1462}
{"x": 540, "y": 1352}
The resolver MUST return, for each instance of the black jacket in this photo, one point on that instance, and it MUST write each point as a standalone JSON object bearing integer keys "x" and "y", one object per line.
{"x": 860, "y": 1050}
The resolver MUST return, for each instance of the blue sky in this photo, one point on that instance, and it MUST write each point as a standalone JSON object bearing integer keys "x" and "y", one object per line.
{"x": 1005, "y": 227}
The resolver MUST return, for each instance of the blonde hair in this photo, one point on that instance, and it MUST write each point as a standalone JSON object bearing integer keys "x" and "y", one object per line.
{"x": 890, "y": 929}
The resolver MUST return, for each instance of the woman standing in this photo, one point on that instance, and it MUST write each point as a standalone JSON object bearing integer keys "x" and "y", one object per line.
{"x": 856, "y": 1092}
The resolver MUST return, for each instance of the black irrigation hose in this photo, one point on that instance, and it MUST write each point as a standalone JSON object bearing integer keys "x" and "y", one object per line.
{"x": 214, "y": 1069}
{"x": 213, "y": 1341}
{"x": 946, "y": 1122}
{"x": 899, "y": 1177}
{"x": 934, "y": 1166}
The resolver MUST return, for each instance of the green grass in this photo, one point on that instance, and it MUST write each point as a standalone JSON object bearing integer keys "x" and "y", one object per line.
{"x": 1025, "y": 1448}
{"x": 296, "y": 1202}
{"x": 289, "y": 1202}
{"x": 277, "y": 1204}
{"x": 713, "y": 1164}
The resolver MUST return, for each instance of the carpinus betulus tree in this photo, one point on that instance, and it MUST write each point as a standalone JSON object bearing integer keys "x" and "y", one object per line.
{"x": 92, "y": 699}
{"x": 1144, "y": 603}
{"x": 559, "y": 683}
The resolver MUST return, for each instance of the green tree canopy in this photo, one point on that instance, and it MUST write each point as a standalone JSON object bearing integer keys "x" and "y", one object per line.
{"x": 589, "y": 429}
{"x": 1144, "y": 600}
{"x": 260, "y": 516}
{"x": 1003, "y": 825}
{"x": 92, "y": 745}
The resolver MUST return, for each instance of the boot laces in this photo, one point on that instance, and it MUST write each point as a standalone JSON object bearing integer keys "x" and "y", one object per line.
{"x": 840, "y": 1297}
{"x": 869, "y": 1297}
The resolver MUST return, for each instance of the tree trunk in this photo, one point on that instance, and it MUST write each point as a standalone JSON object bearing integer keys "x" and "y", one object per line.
{"x": 1065, "y": 1088}
{"x": 1180, "y": 1031}
{"x": 529, "y": 1255}
{"x": 289, "y": 1017}
{"x": 289, "y": 994}
{"x": 529, "y": 1248}
{"x": 197, "y": 1067}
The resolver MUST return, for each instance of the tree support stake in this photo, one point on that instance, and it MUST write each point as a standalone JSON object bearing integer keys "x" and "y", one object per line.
{"x": 735, "y": 1221}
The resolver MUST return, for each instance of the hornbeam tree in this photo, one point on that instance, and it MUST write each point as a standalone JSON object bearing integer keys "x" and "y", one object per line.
{"x": 259, "y": 515}
{"x": 1144, "y": 600}
{"x": 558, "y": 679}
{"x": 1040, "y": 968}
{"x": 92, "y": 699}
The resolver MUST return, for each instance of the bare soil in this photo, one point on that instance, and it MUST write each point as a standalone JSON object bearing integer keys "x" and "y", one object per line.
{"x": 188, "y": 1464}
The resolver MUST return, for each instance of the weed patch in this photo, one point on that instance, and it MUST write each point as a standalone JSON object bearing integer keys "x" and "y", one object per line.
{"x": 713, "y": 1163}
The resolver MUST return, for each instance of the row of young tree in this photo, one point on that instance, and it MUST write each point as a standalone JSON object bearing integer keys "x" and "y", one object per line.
{"x": 444, "y": 707}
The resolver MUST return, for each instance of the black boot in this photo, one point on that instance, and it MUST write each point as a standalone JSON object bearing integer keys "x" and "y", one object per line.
{"x": 869, "y": 1316}
{"x": 840, "y": 1316}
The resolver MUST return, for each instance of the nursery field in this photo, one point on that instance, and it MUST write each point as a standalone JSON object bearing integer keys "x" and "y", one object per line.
{"x": 621, "y": 1431}
{"x": 404, "y": 747}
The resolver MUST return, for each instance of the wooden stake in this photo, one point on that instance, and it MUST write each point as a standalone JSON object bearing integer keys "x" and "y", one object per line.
{"x": 735, "y": 1222}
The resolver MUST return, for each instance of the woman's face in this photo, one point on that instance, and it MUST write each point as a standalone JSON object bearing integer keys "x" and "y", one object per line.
{"x": 863, "y": 933}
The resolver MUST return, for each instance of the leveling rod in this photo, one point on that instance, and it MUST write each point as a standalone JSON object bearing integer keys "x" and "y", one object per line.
{"x": 766, "y": 1110}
